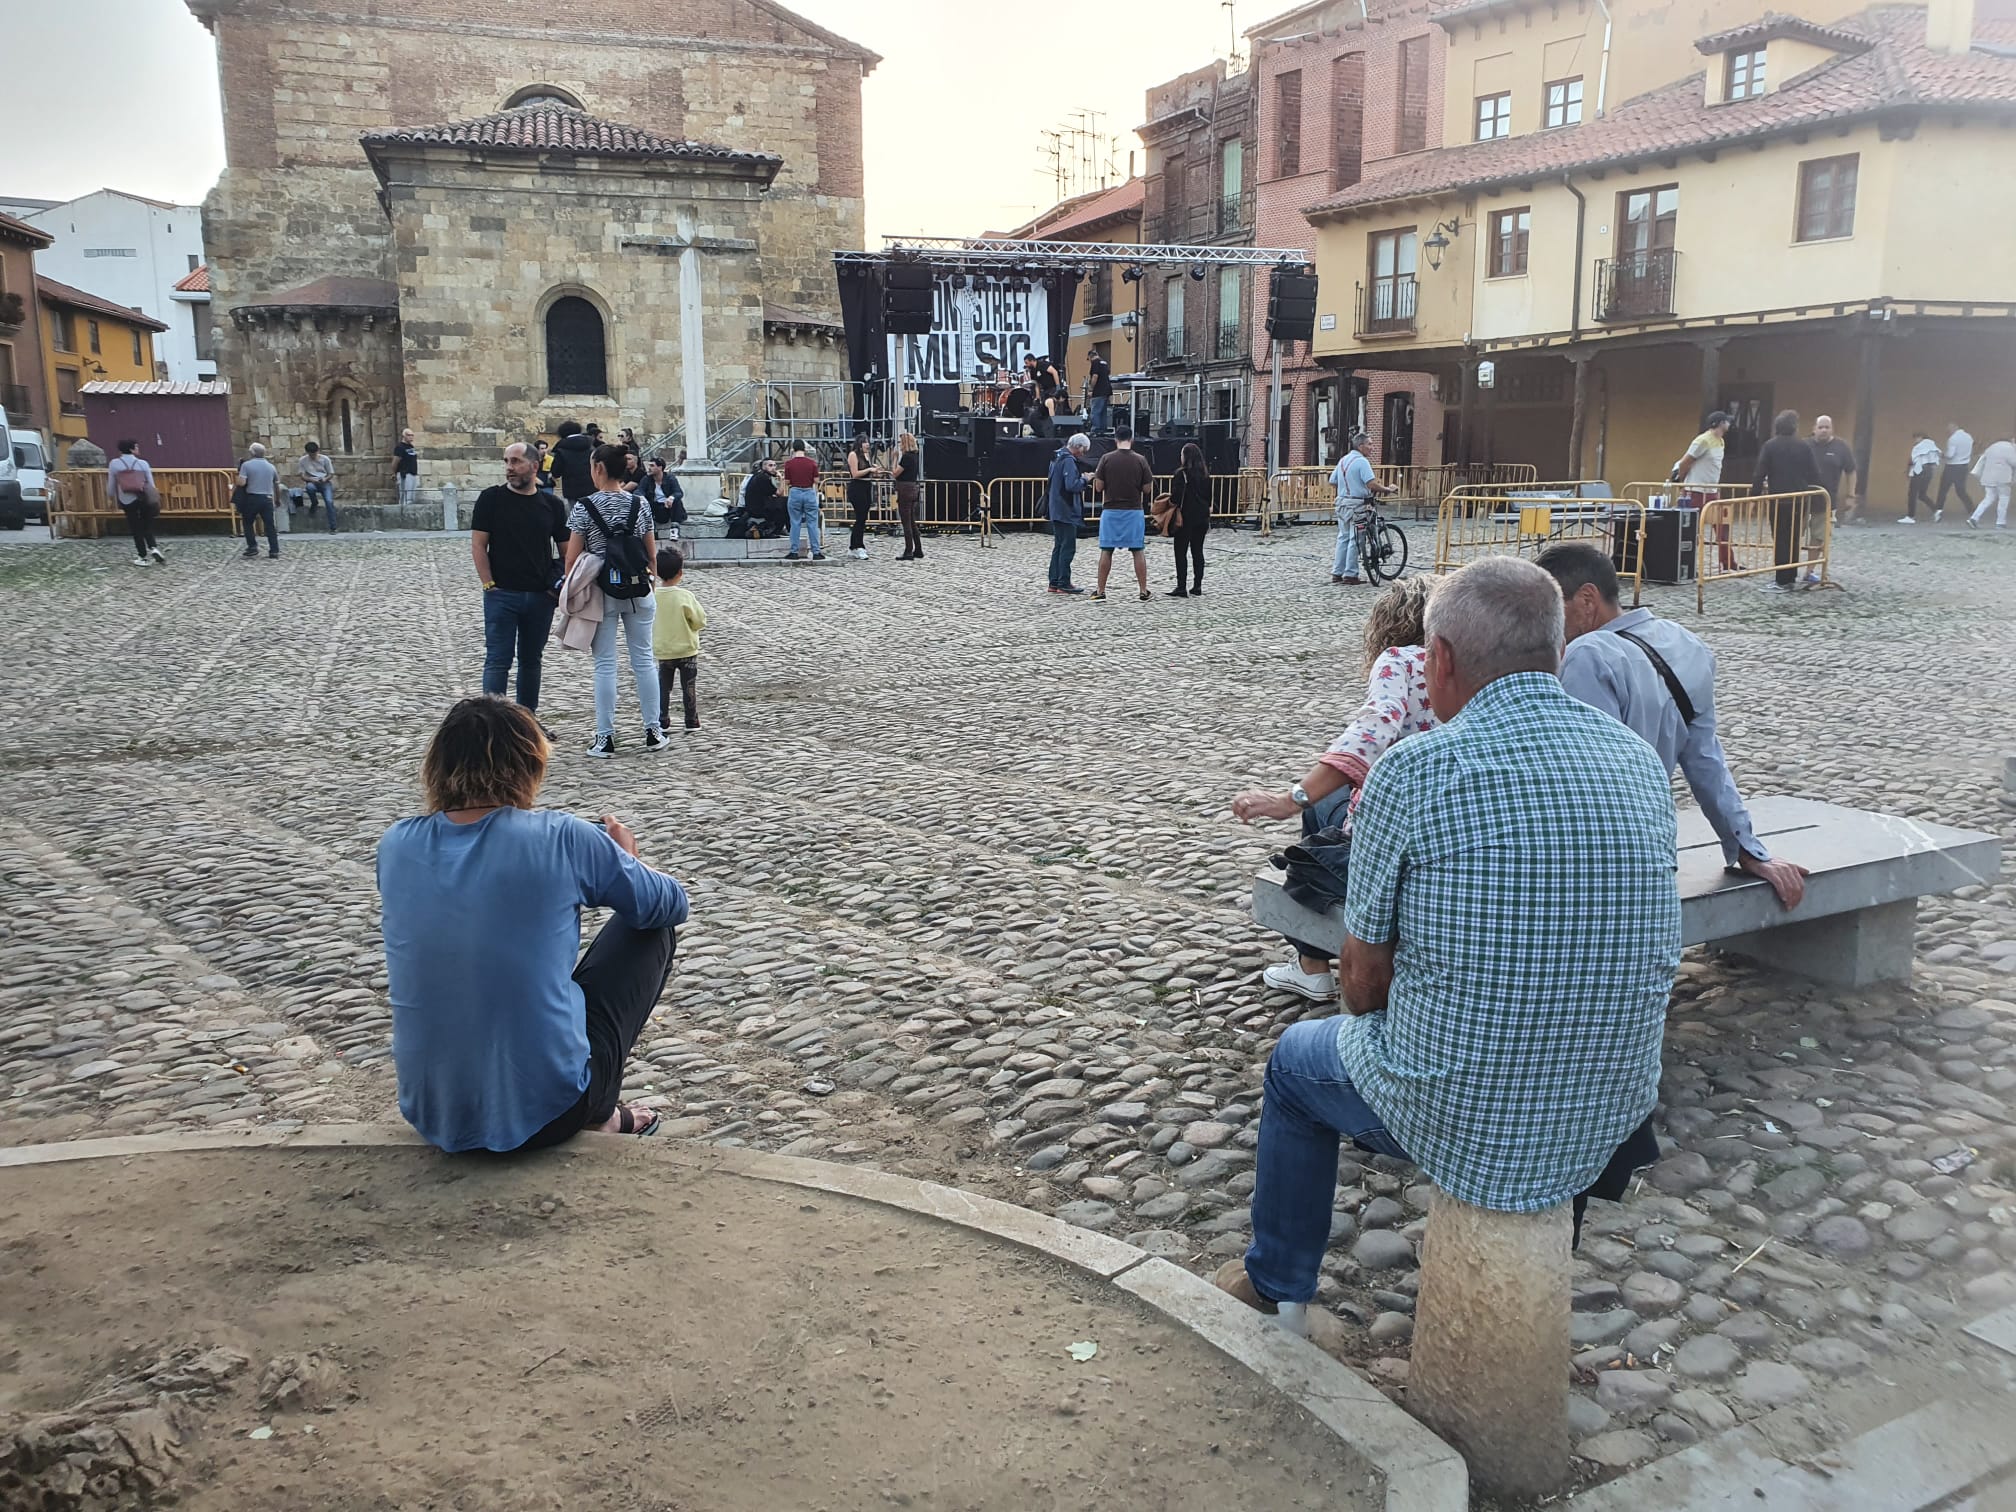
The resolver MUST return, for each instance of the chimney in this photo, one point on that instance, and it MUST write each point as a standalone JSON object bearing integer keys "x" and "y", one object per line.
{"x": 1949, "y": 25}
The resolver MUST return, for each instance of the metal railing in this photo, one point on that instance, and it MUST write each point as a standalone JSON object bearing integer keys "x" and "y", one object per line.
{"x": 1386, "y": 306}
{"x": 1229, "y": 344}
{"x": 1475, "y": 523}
{"x": 1636, "y": 286}
{"x": 80, "y": 507}
{"x": 1237, "y": 499}
{"x": 1308, "y": 490}
{"x": 946, "y": 504}
{"x": 1788, "y": 533}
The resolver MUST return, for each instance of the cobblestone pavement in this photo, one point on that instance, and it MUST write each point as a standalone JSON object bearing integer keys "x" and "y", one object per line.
{"x": 963, "y": 851}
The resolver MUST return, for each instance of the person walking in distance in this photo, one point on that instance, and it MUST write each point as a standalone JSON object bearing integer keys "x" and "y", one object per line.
{"x": 515, "y": 532}
{"x": 570, "y": 462}
{"x": 909, "y": 489}
{"x": 1786, "y": 465}
{"x": 1123, "y": 480}
{"x": 1067, "y": 510}
{"x": 1357, "y": 485}
{"x": 260, "y": 480}
{"x": 861, "y": 475}
{"x": 801, "y": 476}
{"x": 1997, "y": 472}
{"x": 318, "y": 480}
{"x": 406, "y": 469}
{"x": 616, "y": 526}
{"x": 1958, "y": 459}
{"x": 1190, "y": 500}
{"x": 675, "y": 639}
{"x": 1923, "y": 469}
{"x": 130, "y": 481}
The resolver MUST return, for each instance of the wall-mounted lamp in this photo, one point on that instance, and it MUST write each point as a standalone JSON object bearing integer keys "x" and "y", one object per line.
{"x": 1440, "y": 235}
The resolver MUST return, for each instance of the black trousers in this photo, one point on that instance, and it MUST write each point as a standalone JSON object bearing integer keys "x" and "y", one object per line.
{"x": 260, "y": 506}
{"x": 621, "y": 977}
{"x": 913, "y": 538}
{"x": 1953, "y": 476}
{"x": 1921, "y": 493}
{"x": 686, "y": 669}
{"x": 1190, "y": 553}
{"x": 1788, "y": 533}
{"x": 858, "y": 537}
{"x": 140, "y": 520}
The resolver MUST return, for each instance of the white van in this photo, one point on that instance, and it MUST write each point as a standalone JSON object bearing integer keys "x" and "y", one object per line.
{"x": 13, "y": 509}
{"x": 31, "y": 471}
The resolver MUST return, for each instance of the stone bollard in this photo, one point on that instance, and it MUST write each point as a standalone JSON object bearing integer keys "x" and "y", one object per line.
{"x": 451, "y": 507}
{"x": 1491, "y": 1349}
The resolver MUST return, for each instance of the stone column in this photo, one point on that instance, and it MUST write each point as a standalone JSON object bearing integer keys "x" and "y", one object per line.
{"x": 1491, "y": 1350}
{"x": 1579, "y": 414}
{"x": 700, "y": 480}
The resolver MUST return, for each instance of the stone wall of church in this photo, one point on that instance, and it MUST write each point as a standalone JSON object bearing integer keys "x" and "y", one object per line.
{"x": 482, "y": 251}
{"x": 802, "y": 357}
{"x": 314, "y": 373}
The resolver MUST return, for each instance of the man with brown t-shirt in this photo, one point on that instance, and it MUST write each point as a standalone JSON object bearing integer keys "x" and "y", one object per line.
{"x": 1124, "y": 480}
{"x": 801, "y": 473}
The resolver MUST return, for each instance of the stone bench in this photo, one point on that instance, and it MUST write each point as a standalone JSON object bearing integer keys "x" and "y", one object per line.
{"x": 1856, "y": 926}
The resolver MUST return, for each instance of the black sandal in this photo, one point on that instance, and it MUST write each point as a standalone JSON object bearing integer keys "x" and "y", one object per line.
{"x": 628, "y": 1121}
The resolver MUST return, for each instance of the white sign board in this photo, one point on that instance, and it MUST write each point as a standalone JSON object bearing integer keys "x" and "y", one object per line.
{"x": 974, "y": 331}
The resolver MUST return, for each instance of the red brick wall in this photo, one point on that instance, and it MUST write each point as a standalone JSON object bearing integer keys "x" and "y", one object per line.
{"x": 1355, "y": 63}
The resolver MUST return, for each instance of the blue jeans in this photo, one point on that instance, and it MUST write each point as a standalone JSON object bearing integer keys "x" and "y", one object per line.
{"x": 327, "y": 491}
{"x": 630, "y": 618}
{"x": 1099, "y": 415}
{"x": 1346, "y": 562}
{"x": 1308, "y": 1103}
{"x": 1063, "y": 547}
{"x": 803, "y": 506}
{"x": 515, "y": 622}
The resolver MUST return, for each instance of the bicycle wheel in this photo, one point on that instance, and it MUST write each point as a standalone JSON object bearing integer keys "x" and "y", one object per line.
{"x": 1384, "y": 552}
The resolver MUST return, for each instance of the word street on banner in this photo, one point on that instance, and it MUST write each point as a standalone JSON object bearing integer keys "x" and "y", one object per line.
{"x": 974, "y": 331}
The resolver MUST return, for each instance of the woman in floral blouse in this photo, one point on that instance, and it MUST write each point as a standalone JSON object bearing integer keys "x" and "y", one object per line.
{"x": 1395, "y": 706}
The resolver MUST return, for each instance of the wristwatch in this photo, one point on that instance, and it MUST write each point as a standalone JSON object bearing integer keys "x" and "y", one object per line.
{"x": 1301, "y": 796}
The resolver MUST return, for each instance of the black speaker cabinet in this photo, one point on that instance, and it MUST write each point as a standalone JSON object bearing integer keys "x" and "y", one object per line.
{"x": 1671, "y": 540}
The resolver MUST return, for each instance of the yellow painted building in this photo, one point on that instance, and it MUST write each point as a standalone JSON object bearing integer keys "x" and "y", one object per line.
{"x": 1804, "y": 219}
{"x": 1106, "y": 317}
{"x": 86, "y": 339}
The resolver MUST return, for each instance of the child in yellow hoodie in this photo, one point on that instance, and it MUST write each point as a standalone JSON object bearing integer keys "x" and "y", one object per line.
{"x": 675, "y": 639}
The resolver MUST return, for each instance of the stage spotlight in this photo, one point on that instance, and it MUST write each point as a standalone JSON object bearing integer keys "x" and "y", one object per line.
{"x": 1134, "y": 274}
{"x": 1197, "y": 271}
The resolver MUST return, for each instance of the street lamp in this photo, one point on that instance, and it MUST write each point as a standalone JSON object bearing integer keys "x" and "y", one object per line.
{"x": 1440, "y": 235}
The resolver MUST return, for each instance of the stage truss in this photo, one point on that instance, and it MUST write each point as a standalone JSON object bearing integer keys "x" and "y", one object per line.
{"x": 998, "y": 254}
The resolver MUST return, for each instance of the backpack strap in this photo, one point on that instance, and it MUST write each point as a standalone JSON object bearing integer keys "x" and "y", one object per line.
{"x": 1680, "y": 698}
{"x": 600, "y": 523}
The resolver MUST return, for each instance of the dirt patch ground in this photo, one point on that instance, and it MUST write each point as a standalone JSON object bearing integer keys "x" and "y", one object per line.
{"x": 616, "y": 1331}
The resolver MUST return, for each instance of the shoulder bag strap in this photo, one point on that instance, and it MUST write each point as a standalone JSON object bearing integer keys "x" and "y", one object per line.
{"x": 1680, "y": 698}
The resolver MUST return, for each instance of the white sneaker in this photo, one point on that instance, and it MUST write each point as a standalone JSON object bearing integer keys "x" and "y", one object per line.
{"x": 1936, "y": 514}
{"x": 141, "y": 561}
{"x": 1317, "y": 987}
{"x": 155, "y": 552}
{"x": 1812, "y": 580}
{"x": 1907, "y": 520}
{"x": 859, "y": 553}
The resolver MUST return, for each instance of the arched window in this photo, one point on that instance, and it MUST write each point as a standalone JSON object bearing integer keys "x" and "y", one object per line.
{"x": 347, "y": 429}
{"x": 542, "y": 94}
{"x": 577, "y": 359}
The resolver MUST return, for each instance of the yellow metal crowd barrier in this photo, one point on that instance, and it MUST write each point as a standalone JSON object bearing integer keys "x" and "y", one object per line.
{"x": 1749, "y": 536}
{"x": 1308, "y": 490}
{"x": 1236, "y": 498}
{"x": 1474, "y": 523}
{"x": 947, "y": 504}
{"x": 79, "y": 505}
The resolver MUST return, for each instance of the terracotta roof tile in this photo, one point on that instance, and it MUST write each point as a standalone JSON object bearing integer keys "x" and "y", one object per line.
{"x": 76, "y": 299}
{"x": 20, "y": 231}
{"x": 1084, "y": 211}
{"x": 1778, "y": 24}
{"x": 198, "y": 282}
{"x": 332, "y": 293}
{"x": 202, "y": 388}
{"x": 1895, "y": 71}
{"x": 547, "y": 127}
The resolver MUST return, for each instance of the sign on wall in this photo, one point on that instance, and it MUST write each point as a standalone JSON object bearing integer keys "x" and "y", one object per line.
{"x": 976, "y": 330}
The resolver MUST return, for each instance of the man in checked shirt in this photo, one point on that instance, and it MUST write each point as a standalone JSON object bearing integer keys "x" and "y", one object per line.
{"x": 1513, "y": 931}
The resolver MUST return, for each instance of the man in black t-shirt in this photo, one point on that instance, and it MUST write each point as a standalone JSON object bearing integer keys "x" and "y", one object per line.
{"x": 513, "y": 534}
{"x": 1100, "y": 396}
{"x": 1836, "y": 459}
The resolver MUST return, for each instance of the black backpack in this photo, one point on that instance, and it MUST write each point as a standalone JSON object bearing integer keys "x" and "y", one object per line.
{"x": 626, "y": 573}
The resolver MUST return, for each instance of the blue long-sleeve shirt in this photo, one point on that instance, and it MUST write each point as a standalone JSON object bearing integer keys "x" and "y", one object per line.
{"x": 1607, "y": 672}
{"x": 482, "y": 924}
{"x": 1067, "y": 489}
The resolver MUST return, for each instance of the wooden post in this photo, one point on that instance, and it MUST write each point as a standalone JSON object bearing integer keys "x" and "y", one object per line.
{"x": 1868, "y": 374}
{"x": 1464, "y": 445}
{"x": 1711, "y": 378}
{"x": 1578, "y": 415}
{"x": 1491, "y": 1345}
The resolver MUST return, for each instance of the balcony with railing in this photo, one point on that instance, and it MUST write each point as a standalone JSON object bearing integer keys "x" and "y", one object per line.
{"x": 1386, "y": 306}
{"x": 1636, "y": 286}
{"x": 1173, "y": 346}
{"x": 1099, "y": 293}
{"x": 1229, "y": 344}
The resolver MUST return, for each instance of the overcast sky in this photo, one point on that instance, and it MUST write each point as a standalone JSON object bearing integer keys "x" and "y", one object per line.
{"x": 954, "y": 114}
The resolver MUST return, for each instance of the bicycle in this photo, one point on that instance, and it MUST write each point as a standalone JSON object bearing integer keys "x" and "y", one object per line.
{"x": 1382, "y": 545}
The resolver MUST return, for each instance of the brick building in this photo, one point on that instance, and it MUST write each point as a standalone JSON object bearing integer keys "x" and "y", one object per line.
{"x": 1343, "y": 93}
{"x": 380, "y": 289}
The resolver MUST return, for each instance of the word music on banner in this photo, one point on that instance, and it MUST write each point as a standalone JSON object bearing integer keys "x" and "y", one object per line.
{"x": 975, "y": 330}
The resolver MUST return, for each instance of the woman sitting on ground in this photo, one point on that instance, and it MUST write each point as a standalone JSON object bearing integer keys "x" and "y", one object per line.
{"x": 500, "y": 1040}
{"x": 1395, "y": 706}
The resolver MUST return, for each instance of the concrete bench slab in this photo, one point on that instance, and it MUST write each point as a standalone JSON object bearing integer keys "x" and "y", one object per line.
{"x": 1856, "y": 926}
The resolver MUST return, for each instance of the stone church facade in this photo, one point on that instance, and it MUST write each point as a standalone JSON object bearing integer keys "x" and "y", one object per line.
{"x": 434, "y": 213}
